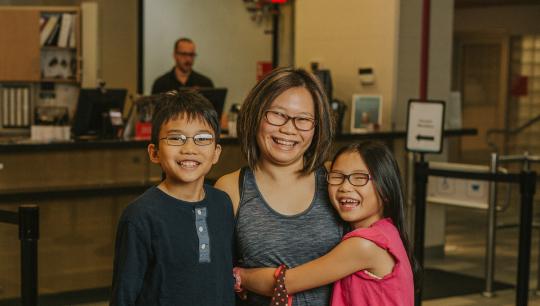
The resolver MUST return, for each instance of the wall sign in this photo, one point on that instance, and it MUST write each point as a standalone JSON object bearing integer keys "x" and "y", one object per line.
{"x": 425, "y": 124}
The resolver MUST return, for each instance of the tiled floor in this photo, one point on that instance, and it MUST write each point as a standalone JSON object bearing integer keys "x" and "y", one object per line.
{"x": 465, "y": 253}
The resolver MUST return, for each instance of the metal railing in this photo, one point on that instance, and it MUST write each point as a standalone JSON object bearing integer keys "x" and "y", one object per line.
{"x": 527, "y": 182}
{"x": 27, "y": 218}
{"x": 508, "y": 132}
{"x": 526, "y": 160}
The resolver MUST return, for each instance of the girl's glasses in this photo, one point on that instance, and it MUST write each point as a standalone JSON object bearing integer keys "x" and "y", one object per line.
{"x": 279, "y": 119}
{"x": 179, "y": 139}
{"x": 356, "y": 179}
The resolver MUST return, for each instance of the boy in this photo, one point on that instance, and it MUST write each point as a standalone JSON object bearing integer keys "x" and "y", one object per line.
{"x": 174, "y": 243}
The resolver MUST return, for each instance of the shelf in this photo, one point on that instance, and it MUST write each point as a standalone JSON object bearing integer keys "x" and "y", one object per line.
{"x": 44, "y": 8}
{"x": 54, "y": 80}
{"x": 42, "y": 80}
{"x": 43, "y": 48}
{"x": 55, "y": 48}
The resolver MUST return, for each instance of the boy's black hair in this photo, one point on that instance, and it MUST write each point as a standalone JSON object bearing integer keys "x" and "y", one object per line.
{"x": 187, "y": 102}
{"x": 384, "y": 169}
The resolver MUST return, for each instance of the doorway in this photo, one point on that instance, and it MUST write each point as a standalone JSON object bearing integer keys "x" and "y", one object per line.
{"x": 481, "y": 76}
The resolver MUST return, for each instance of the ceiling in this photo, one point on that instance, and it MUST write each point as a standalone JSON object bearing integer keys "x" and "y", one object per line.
{"x": 484, "y": 3}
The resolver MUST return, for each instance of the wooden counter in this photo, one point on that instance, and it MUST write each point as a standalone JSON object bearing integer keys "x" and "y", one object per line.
{"x": 34, "y": 170}
{"x": 82, "y": 188}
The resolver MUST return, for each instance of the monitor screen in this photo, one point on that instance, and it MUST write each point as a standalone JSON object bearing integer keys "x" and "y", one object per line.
{"x": 97, "y": 112}
{"x": 216, "y": 96}
{"x": 326, "y": 81}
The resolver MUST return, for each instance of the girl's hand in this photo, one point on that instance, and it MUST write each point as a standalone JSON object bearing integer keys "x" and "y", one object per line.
{"x": 237, "y": 275}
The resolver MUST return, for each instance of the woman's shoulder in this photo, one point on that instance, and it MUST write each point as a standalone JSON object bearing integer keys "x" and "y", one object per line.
{"x": 228, "y": 180}
{"x": 229, "y": 184}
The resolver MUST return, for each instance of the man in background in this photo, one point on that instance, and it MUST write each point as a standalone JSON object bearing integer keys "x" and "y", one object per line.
{"x": 182, "y": 74}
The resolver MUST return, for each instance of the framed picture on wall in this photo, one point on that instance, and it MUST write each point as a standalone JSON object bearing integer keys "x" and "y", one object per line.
{"x": 366, "y": 113}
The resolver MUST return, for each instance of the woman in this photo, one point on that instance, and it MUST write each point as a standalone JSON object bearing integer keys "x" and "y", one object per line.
{"x": 281, "y": 200}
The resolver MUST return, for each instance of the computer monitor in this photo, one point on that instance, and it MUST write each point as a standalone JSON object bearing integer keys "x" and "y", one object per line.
{"x": 216, "y": 96}
{"x": 98, "y": 113}
{"x": 326, "y": 81}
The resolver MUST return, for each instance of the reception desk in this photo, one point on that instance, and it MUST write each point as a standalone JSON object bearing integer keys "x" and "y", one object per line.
{"x": 31, "y": 171}
{"x": 81, "y": 189}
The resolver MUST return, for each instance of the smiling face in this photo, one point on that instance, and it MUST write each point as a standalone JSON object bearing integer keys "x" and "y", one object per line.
{"x": 285, "y": 145}
{"x": 359, "y": 205}
{"x": 188, "y": 163}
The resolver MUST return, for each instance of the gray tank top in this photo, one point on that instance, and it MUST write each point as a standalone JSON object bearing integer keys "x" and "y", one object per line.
{"x": 266, "y": 238}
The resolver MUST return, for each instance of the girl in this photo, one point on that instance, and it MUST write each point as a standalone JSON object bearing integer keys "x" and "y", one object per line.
{"x": 372, "y": 264}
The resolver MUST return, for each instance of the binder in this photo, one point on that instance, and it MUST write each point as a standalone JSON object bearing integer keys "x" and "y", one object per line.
{"x": 72, "y": 37}
{"x": 11, "y": 121}
{"x": 53, "y": 38}
{"x": 4, "y": 106}
{"x": 26, "y": 107}
{"x": 65, "y": 29}
{"x": 48, "y": 29}
{"x": 42, "y": 22}
{"x": 18, "y": 106}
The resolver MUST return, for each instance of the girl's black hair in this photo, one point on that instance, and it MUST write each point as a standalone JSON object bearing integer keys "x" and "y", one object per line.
{"x": 387, "y": 179}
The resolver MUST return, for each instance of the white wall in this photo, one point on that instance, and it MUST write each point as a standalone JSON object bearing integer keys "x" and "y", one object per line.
{"x": 117, "y": 50}
{"x": 440, "y": 54}
{"x": 344, "y": 35}
{"x": 408, "y": 85}
{"x": 229, "y": 43}
{"x": 408, "y": 62}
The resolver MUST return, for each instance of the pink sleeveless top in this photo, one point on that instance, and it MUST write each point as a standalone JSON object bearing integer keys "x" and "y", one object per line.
{"x": 361, "y": 288}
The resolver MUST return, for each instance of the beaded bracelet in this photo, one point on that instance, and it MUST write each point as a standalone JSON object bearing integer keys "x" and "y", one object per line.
{"x": 237, "y": 280}
{"x": 280, "y": 296}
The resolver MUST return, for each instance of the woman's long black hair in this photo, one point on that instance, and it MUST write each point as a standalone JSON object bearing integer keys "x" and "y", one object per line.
{"x": 387, "y": 178}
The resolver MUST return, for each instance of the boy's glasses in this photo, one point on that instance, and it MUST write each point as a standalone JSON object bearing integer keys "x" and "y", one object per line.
{"x": 279, "y": 119}
{"x": 179, "y": 139}
{"x": 356, "y": 179}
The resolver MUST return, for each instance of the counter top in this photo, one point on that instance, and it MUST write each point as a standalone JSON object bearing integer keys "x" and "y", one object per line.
{"x": 37, "y": 194}
{"x": 388, "y": 135}
{"x": 28, "y": 145}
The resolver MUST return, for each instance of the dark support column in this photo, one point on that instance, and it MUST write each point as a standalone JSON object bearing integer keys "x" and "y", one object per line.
{"x": 424, "y": 49}
{"x": 420, "y": 189}
{"x": 527, "y": 188}
{"x": 140, "y": 46}
{"x": 275, "y": 35}
{"x": 29, "y": 235}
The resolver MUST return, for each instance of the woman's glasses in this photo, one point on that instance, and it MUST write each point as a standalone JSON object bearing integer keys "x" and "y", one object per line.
{"x": 300, "y": 123}
{"x": 356, "y": 179}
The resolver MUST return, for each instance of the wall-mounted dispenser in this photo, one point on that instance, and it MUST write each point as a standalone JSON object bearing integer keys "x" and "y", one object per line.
{"x": 367, "y": 76}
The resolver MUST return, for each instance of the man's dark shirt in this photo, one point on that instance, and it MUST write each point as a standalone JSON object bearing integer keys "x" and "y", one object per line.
{"x": 168, "y": 82}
